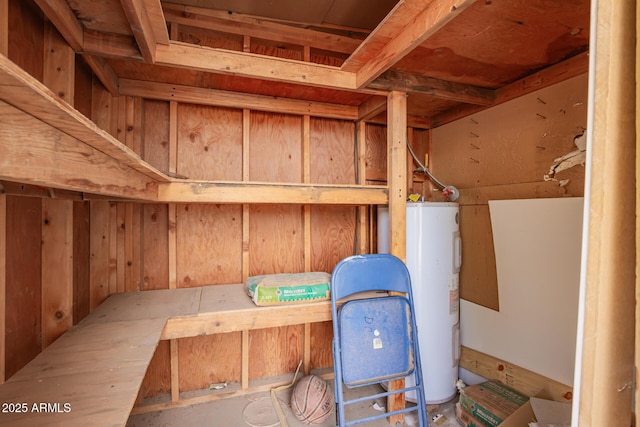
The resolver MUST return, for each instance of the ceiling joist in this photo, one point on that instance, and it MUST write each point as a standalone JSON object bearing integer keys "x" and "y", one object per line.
{"x": 409, "y": 23}
{"x": 234, "y": 23}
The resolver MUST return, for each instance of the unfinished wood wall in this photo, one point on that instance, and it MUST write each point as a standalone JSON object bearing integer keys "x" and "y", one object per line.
{"x": 504, "y": 153}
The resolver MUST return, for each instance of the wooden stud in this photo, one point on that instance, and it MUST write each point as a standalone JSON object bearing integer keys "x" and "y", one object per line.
{"x": 173, "y": 216}
{"x": 57, "y": 268}
{"x": 175, "y": 378}
{"x": 245, "y": 360}
{"x": 607, "y": 375}
{"x": 363, "y": 228}
{"x": 246, "y": 128}
{"x": 113, "y": 249}
{"x": 396, "y": 181}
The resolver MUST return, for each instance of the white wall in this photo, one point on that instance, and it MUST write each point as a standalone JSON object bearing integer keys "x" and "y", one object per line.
{"x": 537, "y": 245}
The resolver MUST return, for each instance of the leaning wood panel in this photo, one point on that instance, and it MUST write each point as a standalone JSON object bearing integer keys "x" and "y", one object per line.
{"x": 209, "y": 143}
{"x": 209, "y": 244}
{"x": 23, "y": 277}
{"x": 478, "y": 273}
{"x": 34, "y": 152}
{"x": 57, "y": 268}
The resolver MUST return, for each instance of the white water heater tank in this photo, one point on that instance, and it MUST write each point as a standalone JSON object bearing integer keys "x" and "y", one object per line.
{"x": 434, "y": 258}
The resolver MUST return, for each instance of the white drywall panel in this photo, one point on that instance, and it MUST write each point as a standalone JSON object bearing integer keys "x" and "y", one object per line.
{"x": 537, "y": 246}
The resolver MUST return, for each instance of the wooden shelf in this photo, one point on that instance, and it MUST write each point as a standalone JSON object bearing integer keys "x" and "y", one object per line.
{"x": 46, "y": 142}
{"x": 97, "y": 367}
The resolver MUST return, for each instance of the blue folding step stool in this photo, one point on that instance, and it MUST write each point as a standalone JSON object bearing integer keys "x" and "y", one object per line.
{"x": 375, "y": 337}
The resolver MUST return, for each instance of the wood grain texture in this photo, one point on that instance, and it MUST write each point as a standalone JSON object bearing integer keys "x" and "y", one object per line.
{"x": 209, "y": 142}
{"x": 23, "y": 338}
{"x": 156, "y": 247}
{"x": 209, "y": 244}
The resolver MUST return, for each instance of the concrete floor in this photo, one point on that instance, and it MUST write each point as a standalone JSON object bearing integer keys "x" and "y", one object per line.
{"x": 256, "y": 410}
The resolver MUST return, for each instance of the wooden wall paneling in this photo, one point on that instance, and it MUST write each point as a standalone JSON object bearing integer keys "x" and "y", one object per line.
{"x": 246, "y": 129}
{"x": 210, "y": 359}
{"x": 101, "y": 107}
{"x": 81, "y": 260}
{"x": 156, "y": 247}
{"x": 113, "y": 230}
{"x": 59, "y": 64}
{"x": 57, "y": 268}
{"x": 362, "y": 224}
{"x": 3, "y": 282}
{"x": 306, "y": 212}
{"x": 158, "y": 377}
{"x": 99, "y": 243}
{"x": 209, "y": 244}
{"x": 26, "y": 37}
{"x": 376, "y": 154}
{"x": 209, "y": 142}
{"x": 82, "y": 90}
{"x": 276, "y": 150}
{"x": 4, "y": 31}
{"x": 23, "y": 334}
{"x": 275, "y": 351}
{"x": 121, "y": 247}
{"x": 156, "y": 133}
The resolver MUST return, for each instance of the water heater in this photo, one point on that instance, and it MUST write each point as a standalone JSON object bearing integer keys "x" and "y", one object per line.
{"x": 433, "y": 257}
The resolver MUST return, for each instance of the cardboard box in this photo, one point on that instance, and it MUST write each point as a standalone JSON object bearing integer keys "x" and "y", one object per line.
{"x": 491, "y": 402}
{"x": 289, "y": 288}
{"x": 542, "y": 411}
{"x": 466, "y": 418}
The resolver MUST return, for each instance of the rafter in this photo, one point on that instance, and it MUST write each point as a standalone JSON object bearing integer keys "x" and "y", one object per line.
{"x": 65, "y": 21}
{"x": 141, "y": 28}
{"x": 235, "y": 23}
{"x": 409, "y": 23}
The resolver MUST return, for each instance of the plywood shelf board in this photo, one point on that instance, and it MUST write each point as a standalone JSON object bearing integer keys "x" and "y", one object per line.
{"x": 24, "y": 92}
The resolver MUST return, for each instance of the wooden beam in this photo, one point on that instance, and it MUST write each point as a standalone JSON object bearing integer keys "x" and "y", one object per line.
{"x": 65, "y": 21}
{"x": 607, "y": 372}
{"x": 260, "y": 192}
{"x": 136, "y": 14}
{"x": 236, "y": 23}
{"x": 157, "y": 22}
{"x": 397, "y": 182}
{"x": 371, "y": 108}
{"x": 111, "y": 45}
{"x": 220, "y": 98}
{"x": 572, "y": 67}
{"x": 412, "y": 83}
{"x": 521, "y": 379}
{"x": 409, "y": 23}
{"x": 183, "y": 55}
{"x": 21, "y": 90}
{"x": 103, "y": 72}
